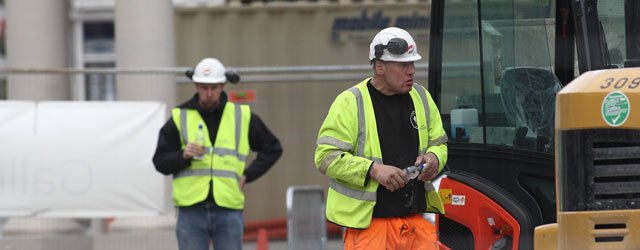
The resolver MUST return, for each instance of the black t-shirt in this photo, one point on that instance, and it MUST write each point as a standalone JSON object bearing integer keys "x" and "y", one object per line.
{"x": 399, "y": 143}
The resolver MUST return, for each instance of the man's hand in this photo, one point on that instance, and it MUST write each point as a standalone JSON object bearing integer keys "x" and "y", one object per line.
{"x": 243, "y": 180}
{"x": 430, "y": 169}
{"x": 192, "y": 150}
{"x": 390, "y": 177}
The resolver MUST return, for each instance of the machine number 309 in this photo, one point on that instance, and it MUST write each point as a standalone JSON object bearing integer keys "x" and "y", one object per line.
{"x": 621, "y": 83}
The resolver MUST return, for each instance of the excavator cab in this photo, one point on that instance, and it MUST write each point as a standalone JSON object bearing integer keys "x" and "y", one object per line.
{"x": 495, "y": 69}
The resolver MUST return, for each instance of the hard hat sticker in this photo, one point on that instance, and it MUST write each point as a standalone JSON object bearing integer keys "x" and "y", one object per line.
{"x": 458, "y": 200}
{"x": 445, "y": 195}
{"x": 615, "y": 108}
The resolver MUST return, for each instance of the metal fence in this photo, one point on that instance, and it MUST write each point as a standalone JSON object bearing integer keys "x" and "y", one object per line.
{"x": 186, "y": 4}
{"x": 31, "y": 232}
{"x": 100, "y": 84}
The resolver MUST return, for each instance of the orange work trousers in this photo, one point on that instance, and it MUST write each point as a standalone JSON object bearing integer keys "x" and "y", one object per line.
{"x": 397, "y": 233}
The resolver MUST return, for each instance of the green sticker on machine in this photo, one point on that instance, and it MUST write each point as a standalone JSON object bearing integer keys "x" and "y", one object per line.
{"x": 615, "y": 108}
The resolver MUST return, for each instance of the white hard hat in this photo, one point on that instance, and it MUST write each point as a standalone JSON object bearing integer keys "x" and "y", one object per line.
{"x": 209, "y": 70}
{"x": 393, "y": 44}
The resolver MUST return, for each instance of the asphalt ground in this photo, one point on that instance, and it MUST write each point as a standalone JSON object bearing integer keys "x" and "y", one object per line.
{"x": 156, "y": 233}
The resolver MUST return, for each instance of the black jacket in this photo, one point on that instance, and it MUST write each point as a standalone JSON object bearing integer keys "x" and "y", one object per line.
{"x": 168, "y": 156}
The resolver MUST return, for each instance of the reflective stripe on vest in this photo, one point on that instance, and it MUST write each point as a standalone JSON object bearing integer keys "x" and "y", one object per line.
{"x": 362, "y": 126}
{"x": 207, "y": 172}
{"x": 356, "y": 194}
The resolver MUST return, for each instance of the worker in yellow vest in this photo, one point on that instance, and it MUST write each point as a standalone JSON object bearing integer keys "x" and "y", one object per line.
{"x": 372, "y": 132}
{"x": 204, "y": 147}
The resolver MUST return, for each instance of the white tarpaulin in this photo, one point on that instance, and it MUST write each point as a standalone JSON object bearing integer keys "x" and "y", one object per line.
{"x": 80, "y": 159}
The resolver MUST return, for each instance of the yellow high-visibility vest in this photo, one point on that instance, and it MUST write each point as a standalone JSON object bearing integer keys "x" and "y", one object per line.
{"x": 348, "y": 143}
{"x": 223, "y": 162}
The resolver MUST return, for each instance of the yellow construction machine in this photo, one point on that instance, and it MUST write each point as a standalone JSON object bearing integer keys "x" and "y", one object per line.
{"x": 541, "y": 102}
{"x": 597, "y": 163}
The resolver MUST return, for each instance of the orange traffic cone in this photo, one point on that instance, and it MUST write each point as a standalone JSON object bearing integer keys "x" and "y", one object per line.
{"x": 262, "y": 241}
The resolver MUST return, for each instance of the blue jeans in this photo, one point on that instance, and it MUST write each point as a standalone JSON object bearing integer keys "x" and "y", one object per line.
{"x": 204, "y": 222}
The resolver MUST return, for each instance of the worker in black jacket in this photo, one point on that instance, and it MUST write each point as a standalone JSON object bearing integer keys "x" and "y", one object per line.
{"x": 204, "y": 147}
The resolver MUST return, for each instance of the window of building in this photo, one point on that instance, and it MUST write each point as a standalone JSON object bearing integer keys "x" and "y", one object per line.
{"x": 3, "y": 79}
{"x": 98, "y": 37}
{"x": 3, "y": 88}
{"x": 100, "y": 86}
{"x": 97, "y": 50}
